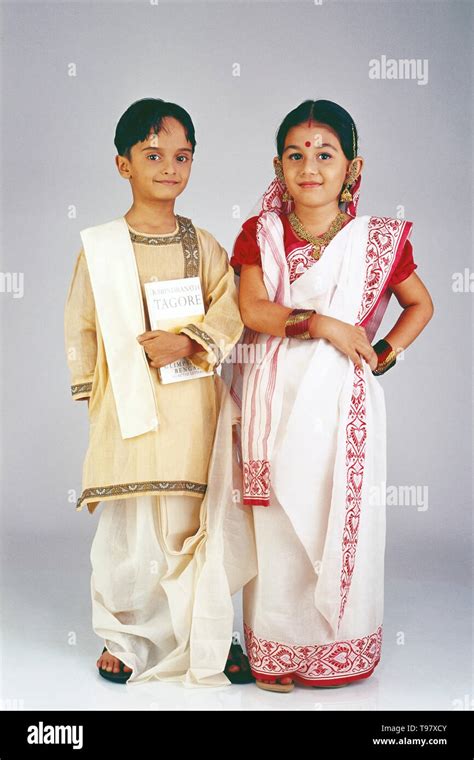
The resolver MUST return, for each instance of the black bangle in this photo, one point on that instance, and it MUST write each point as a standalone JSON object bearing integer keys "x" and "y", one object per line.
{"x": 386, "y": 357}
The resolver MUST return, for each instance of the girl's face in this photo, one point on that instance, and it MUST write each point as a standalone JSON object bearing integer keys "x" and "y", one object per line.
{"x": 314, "y": 165}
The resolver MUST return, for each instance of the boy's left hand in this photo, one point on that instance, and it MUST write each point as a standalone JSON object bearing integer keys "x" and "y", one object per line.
{"x": 163, "y": 347}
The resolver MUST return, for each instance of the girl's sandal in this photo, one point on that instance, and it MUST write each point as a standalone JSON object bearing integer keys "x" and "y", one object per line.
{"x": 275, "y": 686}
{"x": 120, "y": 677}
{"x": 237, "y": 658}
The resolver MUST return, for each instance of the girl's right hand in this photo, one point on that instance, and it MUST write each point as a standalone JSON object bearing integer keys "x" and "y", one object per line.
{"x": 351, "y": 340}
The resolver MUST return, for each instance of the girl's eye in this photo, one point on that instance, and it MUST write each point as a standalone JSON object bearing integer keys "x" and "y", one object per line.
{"x": 297, "y": 156}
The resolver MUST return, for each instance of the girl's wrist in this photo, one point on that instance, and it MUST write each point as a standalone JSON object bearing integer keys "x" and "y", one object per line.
{"x": 318, "y": 326}
{"x": 386, "y": 356}
{"x": 297, "y": 324}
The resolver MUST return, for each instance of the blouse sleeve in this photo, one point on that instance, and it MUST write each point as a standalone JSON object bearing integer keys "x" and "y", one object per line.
{"x": 405, "y": 266}
{"x": 80, "y": 330}
{"x": 246, "y": 250}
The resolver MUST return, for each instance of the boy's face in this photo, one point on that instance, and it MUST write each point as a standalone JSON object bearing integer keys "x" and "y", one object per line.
{"x": 160, "y": 166}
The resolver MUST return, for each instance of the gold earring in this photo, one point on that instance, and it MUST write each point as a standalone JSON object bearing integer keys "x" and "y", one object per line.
{"x": 279, "y": 174}
{"x": 346, "y": 195}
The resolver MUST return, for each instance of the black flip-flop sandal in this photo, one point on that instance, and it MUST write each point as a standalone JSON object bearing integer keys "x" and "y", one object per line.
{"x": 120, "y": 677}
{"x": 237, "y": 657}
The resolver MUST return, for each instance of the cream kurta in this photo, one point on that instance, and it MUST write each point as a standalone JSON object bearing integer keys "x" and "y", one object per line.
{"x": 175, "y": 458}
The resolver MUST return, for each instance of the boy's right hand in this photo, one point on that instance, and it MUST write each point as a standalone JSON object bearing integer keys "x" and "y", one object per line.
{"x": 349, "y": 339}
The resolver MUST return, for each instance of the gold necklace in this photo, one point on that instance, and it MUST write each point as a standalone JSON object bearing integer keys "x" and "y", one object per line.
{"x": 318, "y": 241}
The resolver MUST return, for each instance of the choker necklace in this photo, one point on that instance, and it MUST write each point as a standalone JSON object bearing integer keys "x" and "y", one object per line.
{"x": 318, "y": 241}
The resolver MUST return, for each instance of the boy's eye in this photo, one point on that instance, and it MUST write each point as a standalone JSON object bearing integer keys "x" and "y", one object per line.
{"x": 157, "y": 155}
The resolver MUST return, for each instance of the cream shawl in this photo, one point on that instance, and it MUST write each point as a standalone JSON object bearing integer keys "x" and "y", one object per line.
{"x": 117, "y": 294}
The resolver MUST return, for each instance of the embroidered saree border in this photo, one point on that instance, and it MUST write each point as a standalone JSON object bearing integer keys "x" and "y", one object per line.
{"x": 384, "y": 235}
{"x": 321, "y": 664}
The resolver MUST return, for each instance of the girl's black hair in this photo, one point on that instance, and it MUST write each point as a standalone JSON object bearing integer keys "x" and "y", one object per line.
{"x": 146, "y": 116}
{"x": 325, "y": 112}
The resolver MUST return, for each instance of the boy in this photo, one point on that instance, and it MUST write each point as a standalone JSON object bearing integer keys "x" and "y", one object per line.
{"x": 150, "y": 443}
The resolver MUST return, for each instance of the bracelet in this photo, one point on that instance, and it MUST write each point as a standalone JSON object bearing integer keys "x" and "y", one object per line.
{"x": 297, "y": 324}
{"x": 386, "y": 357}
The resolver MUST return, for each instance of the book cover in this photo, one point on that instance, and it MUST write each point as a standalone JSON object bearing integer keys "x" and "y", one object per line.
{"x": 172, "y": 304}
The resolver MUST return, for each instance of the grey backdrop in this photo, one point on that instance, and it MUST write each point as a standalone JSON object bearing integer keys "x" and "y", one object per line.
{"x": 58, "y": 153}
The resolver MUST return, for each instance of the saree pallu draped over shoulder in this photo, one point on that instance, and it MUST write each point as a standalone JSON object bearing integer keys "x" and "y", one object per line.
{"x": 313, "y": 430}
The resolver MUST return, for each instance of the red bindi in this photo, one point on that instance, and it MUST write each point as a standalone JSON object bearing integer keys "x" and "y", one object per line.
{"x": 308, "y": 144}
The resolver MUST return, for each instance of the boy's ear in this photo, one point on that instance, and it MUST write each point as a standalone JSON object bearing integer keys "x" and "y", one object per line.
{"x": 123, "y": 166}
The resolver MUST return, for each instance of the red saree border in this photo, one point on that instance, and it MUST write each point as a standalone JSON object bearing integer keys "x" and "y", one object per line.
{"x": 315, "y": 664}
{"x": 256, "y": 481}
{"x": 356, "y": 436}
{"x": 386, "y": 238}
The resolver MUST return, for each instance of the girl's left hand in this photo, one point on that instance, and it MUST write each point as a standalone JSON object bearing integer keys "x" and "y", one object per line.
{"x": 373, "y": 361}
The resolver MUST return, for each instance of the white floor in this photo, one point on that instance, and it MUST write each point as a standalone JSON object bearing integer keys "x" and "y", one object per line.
{"x": 49, "y": 649}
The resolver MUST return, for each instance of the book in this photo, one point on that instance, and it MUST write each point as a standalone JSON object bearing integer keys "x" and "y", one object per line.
{"x": 172, "y": 304}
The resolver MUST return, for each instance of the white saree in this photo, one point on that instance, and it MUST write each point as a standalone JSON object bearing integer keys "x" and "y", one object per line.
{"x": 314, "y": 465}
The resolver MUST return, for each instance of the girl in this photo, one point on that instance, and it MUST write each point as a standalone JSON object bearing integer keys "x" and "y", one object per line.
{"x": 315, "y": 280}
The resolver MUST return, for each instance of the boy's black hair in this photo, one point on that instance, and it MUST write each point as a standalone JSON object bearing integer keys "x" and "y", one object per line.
{"x": 146, "y": 116}
{"x": 326, "y": 112}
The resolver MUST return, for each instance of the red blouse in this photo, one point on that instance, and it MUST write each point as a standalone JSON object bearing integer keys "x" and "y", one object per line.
{"x": 246, "y": 251}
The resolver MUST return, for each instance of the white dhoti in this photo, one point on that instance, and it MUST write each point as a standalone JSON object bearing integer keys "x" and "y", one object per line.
{"x": 143, "y": 572}
{"x": 164, "y": 569}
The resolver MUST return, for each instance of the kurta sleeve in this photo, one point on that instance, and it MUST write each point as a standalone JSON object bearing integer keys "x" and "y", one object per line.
{"x": 222, "y": 326}
{"x": 405, "y": 266}
{"x": 80, "y": 330}
{"x": 246, "y": 250}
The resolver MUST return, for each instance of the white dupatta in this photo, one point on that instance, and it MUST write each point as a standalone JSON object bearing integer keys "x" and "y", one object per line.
{"x": 118, "y": 299}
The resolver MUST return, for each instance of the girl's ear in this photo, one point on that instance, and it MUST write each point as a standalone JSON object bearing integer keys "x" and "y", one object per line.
{"x": 355, "y": 167}
{"x": 360, "y": 164}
